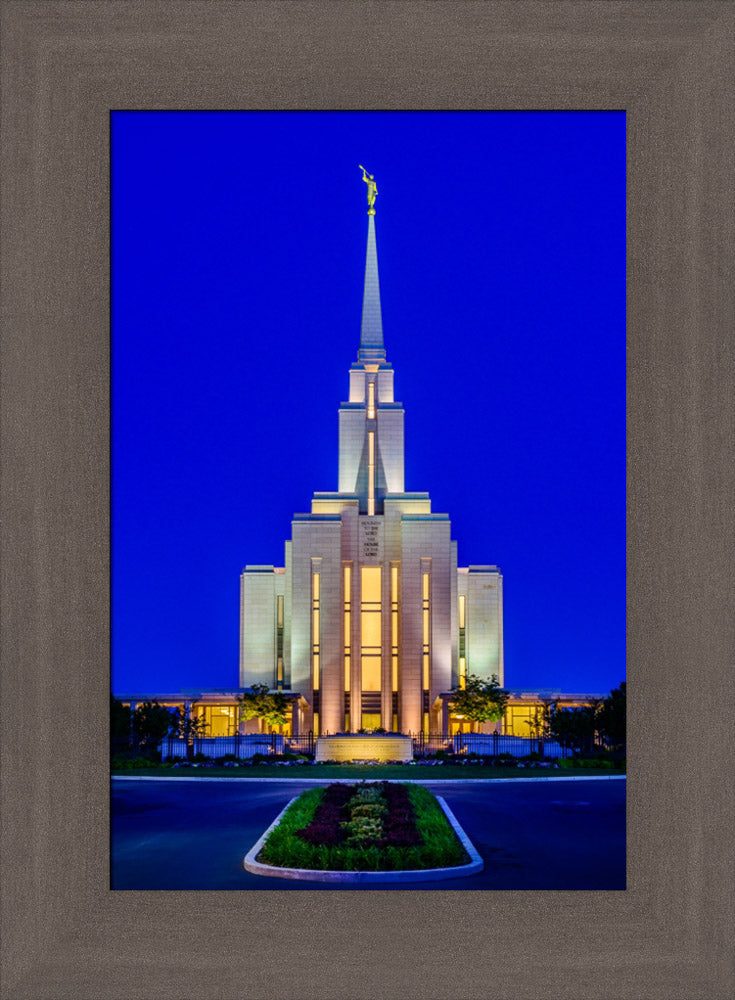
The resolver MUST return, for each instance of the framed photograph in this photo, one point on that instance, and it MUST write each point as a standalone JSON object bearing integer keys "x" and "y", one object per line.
{"x": 67, "y": 67}
{"x": 451, "y": 589}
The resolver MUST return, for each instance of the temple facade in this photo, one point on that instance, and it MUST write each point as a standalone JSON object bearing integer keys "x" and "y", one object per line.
{"x": 370, "y": 621}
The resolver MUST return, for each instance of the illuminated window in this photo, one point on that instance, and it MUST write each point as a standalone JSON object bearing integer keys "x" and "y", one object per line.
{"x": 315, "y": 631}
{"x": 394, "y": 627}
{"x": 370, "y": 673}
{"x": 371, "y": 578}
{"x": 426, "y": 614}
{"x": 279, "y": 641}
{"x": 462, "y": 653}
{"x": 347, "y": 621}
{"x": 371, "y": 631}
{"x": 371, "y": 622}
{"x": 371, "y": 401}
{"x": 220, "y": 720}
{"x": 518, "y": 719}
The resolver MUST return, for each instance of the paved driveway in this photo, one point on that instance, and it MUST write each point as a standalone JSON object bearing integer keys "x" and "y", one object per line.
{"x": 539, "y": 835}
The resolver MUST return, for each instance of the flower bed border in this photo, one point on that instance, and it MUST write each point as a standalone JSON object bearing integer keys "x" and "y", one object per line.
{"x": 474, "y": 866}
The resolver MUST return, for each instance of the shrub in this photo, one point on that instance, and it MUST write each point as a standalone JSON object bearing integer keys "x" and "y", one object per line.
{"x": 325, "y": 826}
{"x": 592, "y": 762}
{"x": 363, "y": 829}
{"x": 369, "y": 792}
{"x": 121, "y": 763}
{"x": 374, "y": 809}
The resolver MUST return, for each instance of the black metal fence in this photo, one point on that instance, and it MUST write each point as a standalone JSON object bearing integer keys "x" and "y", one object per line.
{"x": 239, "y": 745}
{"x": 301, "y": 744}
{"x": 181, "y": 748}
{"x": 244, "y": 746}
{"x": 488, "y": 745}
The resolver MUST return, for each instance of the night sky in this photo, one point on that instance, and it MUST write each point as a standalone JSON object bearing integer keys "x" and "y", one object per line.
{"x": 238, "y": 251}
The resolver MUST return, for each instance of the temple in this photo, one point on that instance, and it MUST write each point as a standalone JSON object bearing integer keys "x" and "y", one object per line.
{"x": 370, "y": 621}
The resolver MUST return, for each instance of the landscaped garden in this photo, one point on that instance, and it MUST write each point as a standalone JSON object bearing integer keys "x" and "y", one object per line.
{"x": 438, "y": 766}
{"x": 377, "y": 826}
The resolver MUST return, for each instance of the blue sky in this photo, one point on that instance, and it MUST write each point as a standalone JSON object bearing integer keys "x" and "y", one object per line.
{"x": 238, "y": 243}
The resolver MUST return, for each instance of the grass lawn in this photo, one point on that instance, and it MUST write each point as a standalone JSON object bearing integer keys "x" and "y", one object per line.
{"x": 366, "y": 771}
{"x": 364, "y": 828}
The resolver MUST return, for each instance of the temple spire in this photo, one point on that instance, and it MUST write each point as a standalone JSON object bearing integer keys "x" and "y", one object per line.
{"x": 371, "y": 330}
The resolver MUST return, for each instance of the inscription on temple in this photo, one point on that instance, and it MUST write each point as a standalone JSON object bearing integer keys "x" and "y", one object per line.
{"x": 371, "y": 540}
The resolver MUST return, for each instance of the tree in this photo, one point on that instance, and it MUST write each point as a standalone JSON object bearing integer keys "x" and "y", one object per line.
{"x": 611, "y": 719}
{"x": 540, "y": 724}
{"x": 479, "y": 700}
{"x": 150, "y": 723}
{"x": 574, "y": 728}
{"x": 186, "y": 725}
{"x": 119, "y": 719}
{"x": 261, "y": 703}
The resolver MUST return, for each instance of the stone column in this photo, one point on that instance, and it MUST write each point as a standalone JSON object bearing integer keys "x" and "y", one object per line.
{"x": 445, "y": 716}
{"x": 295, "y": 717}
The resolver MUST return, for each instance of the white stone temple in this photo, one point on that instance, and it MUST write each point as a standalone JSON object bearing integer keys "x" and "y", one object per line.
{"x": 370, "y": 620}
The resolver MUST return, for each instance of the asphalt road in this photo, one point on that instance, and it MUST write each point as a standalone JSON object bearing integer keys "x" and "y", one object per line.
{"x": 537, "y": 835}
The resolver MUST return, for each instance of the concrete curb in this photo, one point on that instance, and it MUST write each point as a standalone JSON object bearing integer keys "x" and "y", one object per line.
{"x": 474, "y": 866}
{"x": 400, "y": 781}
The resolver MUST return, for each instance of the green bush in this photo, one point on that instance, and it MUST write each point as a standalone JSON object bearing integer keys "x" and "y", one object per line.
{"x": 369, "y": 809}
{"x": 367, "y": 794}
{"x": 362, "y": 829}
{"x": 593, "y": 763}
{"x": 121, "y": 763}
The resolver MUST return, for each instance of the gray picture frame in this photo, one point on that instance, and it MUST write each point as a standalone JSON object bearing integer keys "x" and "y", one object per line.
{"x": 65, "y": 66}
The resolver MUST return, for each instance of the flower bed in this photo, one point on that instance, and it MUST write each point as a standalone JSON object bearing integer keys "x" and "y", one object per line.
{"x": 369, "y": 827}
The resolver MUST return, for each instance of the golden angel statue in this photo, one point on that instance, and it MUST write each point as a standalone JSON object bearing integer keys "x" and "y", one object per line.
{"x": 372, "y": 189}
